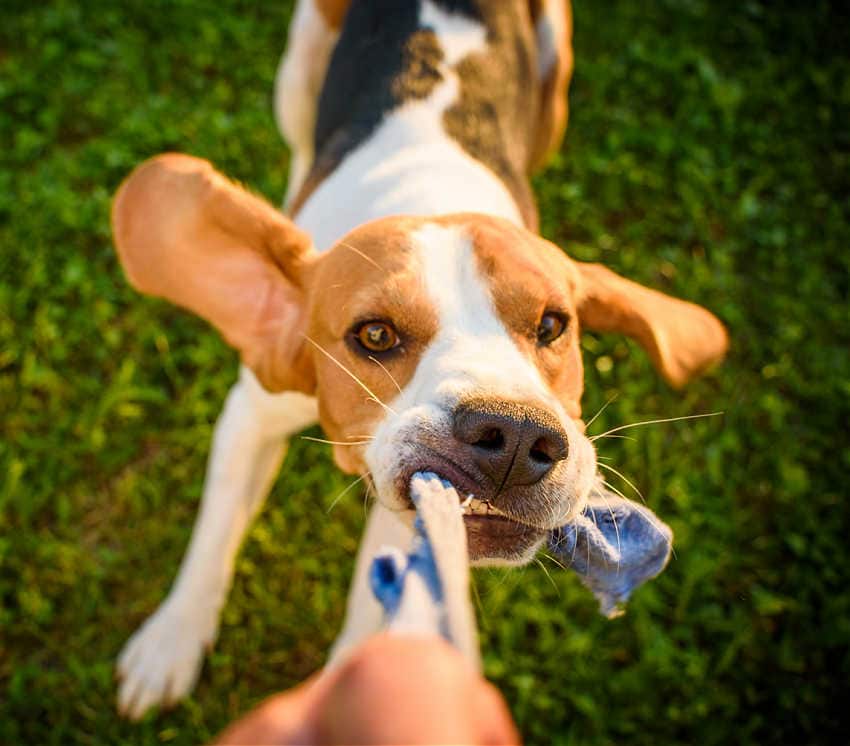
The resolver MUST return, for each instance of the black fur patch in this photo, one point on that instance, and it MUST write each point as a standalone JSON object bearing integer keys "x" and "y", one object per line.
{"x": 384, "y": 58}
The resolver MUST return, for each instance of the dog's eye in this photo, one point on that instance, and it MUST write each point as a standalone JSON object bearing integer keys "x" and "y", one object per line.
{"x": 377, "y": 336}
{"x": 551, "y": 326}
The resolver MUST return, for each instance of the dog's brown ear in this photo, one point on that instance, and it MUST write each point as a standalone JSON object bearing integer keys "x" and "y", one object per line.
{"x": 681, "y": 338}
{"x": 186, "y": 233}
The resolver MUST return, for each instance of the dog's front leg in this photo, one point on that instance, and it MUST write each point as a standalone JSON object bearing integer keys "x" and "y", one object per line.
{"x": 161, "y": 662}
{"x": 364, "y": 615}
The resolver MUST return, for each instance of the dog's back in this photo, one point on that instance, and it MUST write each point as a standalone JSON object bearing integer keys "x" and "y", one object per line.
{"x": 430, "y": 107}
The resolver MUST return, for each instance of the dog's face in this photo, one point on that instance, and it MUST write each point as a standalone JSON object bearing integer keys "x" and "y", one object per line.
{"x": 433, "y": 344}
{"x": 451, "y": 345}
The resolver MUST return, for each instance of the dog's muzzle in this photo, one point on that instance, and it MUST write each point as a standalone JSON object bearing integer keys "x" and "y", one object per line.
{"x": 503, "y": 458}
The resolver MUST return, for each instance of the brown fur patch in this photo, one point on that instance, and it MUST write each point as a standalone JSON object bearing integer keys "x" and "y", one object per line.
{"x": 371, "y": 275}
{"x": 333, "y": 11}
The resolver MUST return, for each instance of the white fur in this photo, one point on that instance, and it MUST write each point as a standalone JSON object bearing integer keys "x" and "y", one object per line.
{"x": 161, "y": 662}
{"x": 472, "y": 350}
{"x": 458, "y": 35}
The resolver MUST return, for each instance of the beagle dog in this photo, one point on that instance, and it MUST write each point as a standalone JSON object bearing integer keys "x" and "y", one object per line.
{"x": 406, "y": 301}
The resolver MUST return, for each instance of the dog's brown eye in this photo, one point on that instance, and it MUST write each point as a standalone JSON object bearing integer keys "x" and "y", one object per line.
{"x": 377, "y": 336}
{"x": 551, "y": 327}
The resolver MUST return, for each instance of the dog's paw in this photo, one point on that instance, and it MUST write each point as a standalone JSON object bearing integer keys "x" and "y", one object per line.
{"x": 161, "y": 662}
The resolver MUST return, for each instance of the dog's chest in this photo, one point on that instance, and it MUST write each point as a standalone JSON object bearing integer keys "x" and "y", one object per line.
{"x": 426, "y": 109}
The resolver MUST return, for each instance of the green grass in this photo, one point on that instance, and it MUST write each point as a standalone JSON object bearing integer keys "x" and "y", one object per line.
{"x": 708, "y": 155}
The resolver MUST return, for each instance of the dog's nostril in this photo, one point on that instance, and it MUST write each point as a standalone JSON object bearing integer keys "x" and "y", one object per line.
{"x": 491, "y": 439}
{"x": 539, "y": 452}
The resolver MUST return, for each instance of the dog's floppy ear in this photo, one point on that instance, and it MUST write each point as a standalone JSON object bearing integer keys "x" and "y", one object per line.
{"x": 681, "y": 338}
{"x": 186, "y": 233}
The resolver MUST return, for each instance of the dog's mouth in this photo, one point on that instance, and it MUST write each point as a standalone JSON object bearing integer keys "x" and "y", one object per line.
{"x": 495, "y": 536}
{"x": 491, "y": 533}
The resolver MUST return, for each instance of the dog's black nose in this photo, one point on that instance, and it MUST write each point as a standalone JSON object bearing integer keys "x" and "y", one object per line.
{"x": 511, "y": 443}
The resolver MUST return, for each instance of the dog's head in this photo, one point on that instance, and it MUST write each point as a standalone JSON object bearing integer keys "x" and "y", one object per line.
{"x": 444, "y": 344}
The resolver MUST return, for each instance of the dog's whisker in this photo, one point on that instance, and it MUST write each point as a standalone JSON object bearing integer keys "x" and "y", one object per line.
{"x": 343, "y": 493}
{"x": 383, "y": 368}
{"x": 593, "y": 518}
{"x": 575, "y": 549}
{"x": 649, "y": 517}
{"x": 373, "y": 399}
{"x": 587, "y": 543}
{"x": 504, "y": 577}
{"x": 616, "y": 530}
{"x": 654, "y": 422}
{"x": 613, "y": 489}
{"x": 546, "y": 572}
{"x": 361, "y": 254}
{"x": 624, "y": 478}
{"x": 476, "y": 597}
{"x": 555, "y": 560}
{"x": 335, "y": 442}
{"x": 345, "y": 370}
{"x": 601, "y": 410}
{"x": 367, "y": 493}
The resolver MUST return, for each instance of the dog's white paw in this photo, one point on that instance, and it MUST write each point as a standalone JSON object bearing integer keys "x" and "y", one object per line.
{"x": 160, "y": 663}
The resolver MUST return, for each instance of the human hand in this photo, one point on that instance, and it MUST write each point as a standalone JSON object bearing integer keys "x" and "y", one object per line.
{"x": 393, "y": 689}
